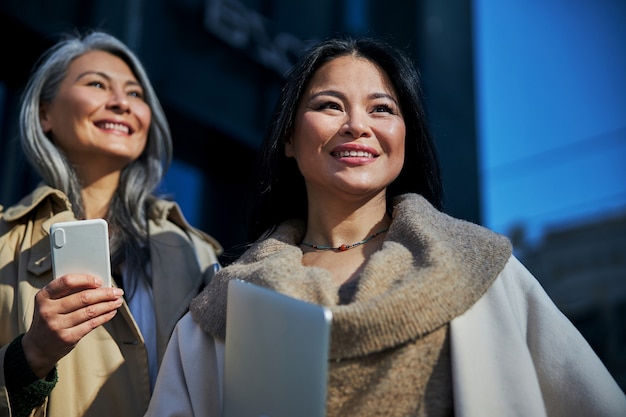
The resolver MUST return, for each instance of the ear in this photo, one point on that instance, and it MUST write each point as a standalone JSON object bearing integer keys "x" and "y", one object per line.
{"x": 289, "y": 153}
{"x": 44, "y": 117}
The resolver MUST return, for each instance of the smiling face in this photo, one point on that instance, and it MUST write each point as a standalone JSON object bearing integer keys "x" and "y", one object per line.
{"x": 348, "y": 132}
{"x": 98, "y": 118}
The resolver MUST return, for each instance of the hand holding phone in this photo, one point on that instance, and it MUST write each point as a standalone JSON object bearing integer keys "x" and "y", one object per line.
{"x": 81, "y": 247}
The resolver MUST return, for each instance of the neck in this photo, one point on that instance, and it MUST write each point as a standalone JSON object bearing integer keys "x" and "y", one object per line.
{"x": 346, "y": 234}
{"x": 97, "y": 196}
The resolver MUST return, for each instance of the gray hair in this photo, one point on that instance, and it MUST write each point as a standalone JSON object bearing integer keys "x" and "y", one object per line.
{"x": 138, "y": 181}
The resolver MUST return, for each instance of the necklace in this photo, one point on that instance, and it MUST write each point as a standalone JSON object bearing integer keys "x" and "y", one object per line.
{"x": 344, "y": 247}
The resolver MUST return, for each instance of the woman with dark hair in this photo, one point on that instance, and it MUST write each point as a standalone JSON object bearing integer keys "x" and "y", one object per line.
{"x": 282, "y": 192}
{"x": 93, "y": 128}
{"x": 432, "y": 315}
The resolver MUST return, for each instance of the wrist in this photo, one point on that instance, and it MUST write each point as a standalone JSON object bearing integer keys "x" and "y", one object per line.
{"x": 35, "y": 361}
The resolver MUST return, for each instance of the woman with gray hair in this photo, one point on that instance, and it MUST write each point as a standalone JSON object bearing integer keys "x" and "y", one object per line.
{"x": 94, "y": 130}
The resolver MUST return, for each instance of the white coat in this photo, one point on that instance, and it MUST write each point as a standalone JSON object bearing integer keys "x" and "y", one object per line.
{"x": 513, "y": 354}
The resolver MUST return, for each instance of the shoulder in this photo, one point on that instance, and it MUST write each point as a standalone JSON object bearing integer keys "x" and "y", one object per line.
{"x": 516, "y": 289}
{"x": 33, "y": 200}
{"x": 514, "y": 302}
{"x": 413, "y": 211}
{"x": 517, "y": 302}
{"x": 519, "y": 287}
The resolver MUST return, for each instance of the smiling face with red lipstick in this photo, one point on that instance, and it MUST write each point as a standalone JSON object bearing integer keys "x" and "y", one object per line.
{"x": 98, "y": 117}
{"x": 348, "y": 131}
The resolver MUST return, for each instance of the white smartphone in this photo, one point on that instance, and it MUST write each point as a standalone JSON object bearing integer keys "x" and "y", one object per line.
{"x": 81, "y": 247}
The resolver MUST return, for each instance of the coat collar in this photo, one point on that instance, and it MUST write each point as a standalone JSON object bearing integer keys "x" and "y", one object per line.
{"x": 60, "y": 203}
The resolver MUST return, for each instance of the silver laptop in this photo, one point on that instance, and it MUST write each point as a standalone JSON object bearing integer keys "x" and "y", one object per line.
{"x": 276, "y": 359}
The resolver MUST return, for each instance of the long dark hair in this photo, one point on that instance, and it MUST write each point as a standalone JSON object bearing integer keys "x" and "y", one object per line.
{"x": 281, "y": 192}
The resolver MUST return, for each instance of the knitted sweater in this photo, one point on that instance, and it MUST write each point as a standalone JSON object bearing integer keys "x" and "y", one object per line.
{"x": 389, "y": 352}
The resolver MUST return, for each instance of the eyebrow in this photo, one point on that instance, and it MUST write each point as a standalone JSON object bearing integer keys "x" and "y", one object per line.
{"x": 337, "y": 94}
{"x": 384, "y": 95}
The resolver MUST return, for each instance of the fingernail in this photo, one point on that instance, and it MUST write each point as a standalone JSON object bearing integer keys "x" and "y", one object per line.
{"x": 118, "y": 291}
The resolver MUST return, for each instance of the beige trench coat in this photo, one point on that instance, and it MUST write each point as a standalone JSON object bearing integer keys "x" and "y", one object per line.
{"x": 107, "y": 373}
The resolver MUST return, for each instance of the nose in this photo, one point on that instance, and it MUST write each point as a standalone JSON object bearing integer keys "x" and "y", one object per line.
{"x": 118, "y": 101}
{"x": 355, "y": 125}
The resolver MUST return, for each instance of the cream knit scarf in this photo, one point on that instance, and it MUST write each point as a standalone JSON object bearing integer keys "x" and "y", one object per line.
{"x": 430, "y": 269}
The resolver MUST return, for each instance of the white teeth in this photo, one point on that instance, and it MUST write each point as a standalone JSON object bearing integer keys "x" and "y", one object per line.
{"x": 115, "y": 126}
{"x": 344, "y": 154}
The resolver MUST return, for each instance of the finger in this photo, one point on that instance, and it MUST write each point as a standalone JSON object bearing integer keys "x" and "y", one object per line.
{"x": 71, "y": 283}
{"x": 48, "y": 309}
{"x": 75, "y": 325}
